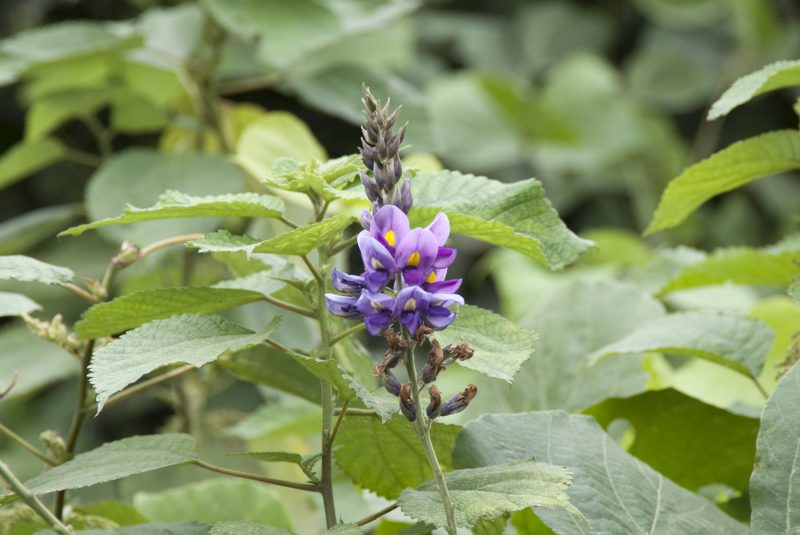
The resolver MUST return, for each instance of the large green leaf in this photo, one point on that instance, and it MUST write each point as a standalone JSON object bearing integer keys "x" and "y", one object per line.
{"x": 575, "y": 320}
{"x": 174, "y": 204}
{"x": 135, "y": 309}
{"x": 47, "y": 114}
{"x": 138, "y": 177}
{"x": 691, "y": 443}
{"x": 614, "y": 491}
{"x": 115, "y": 460}
{"x": 214, "y": 500}
{"x": 158, "y": 528}
{"x": 21, "y": 233}
{"x": 27, "y": 269}
{"x": 191, "y": 338}
{"x": 27, "y": 157}
{"x": 728, "y": 169}
{"x": 737, "y": 342}
{"x": 237, "y": 527}
{"x": 388, "y": 457}
{"x": 516, "y": 215}
{"x": 299, "y": 241}
{"x": 500, "y": 346}
{"x": 13, "y": 304}
{"x": 35, "y": 362}
{"x": 769, "y": 78}
{"x": 487, "y": 492}
{"x": 773, "y": 485}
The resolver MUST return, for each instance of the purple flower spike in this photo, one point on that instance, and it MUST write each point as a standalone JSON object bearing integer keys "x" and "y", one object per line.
{"x": 377, "y": 310}
{"x": 416, "y": 255}
{"x": 340, "y": 305}
{"x": 346, "y": 283}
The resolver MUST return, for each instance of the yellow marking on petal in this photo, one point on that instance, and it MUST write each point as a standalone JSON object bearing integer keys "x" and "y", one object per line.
{"x": 432, "y": 277}
{"x": 389, "y": 237}
{"x": 413, "y": 260}
{"x": 376, "y": 264}
{"x": 410, "y": 305}
{"x": 376, "y": 305}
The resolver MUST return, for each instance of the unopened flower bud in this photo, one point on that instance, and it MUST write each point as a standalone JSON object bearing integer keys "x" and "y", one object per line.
{"x": 460, "y": 401}
{"x": 407, "y": 405}
{"x": 434, "y": 408}
{"x": 128, "y": 254}
{"x": 434, "y": 365}
{"x": 406, "y": 201}
{"x": 365, "y": 219}
{"x": 369, "y": 186}
{"x": 390, "y": 382}
{"x": 54, "y": 444}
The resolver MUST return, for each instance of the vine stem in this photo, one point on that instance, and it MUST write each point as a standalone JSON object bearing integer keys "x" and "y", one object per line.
{"x": 357, "y": 328}
{"x": 255, "y": 477}
{"x": 33, "y": 502}
{"x": 422, "y": 427}
{"x": 30, "y": 448}
{"x": 375, "y": 516}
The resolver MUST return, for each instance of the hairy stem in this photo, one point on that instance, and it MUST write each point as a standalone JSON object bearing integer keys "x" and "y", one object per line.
{"x": 33, "y": 502}
{"x": 30, "y": 448}
{"x": 175, "y": 240}
{"x": 357, "y": 328}
{"x": 80, "y": 292}
{"x": 255, "y": 477}
{"x": 290, "y": 307}
{"x": 375, "y": 516}
{"x": 422, "y": 427}
{"x": 144, "y": 385}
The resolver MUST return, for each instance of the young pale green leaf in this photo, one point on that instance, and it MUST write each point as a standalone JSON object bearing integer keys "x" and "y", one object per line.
{"x": 614, "y": 491}
{"x": 174, "y": 205}
{"x": 27, "y": 157}
{"x": 487, "y": 492}
{"x": 21, "y": 233}
{"x": 35, "y": 362}
{"x": 500, "y": 346}
{"x": 774, "y": 486}
{"x": 194, "y": 339}
{"x": 331, "y": 180}
{"x": 115, "y": 460}
{"x": 12, "y": 304}
{"x": 158, "y": 528}
{"x": 769, "y": 78}
{"x": 736, "y": 342}
{"x": 517, "y": 215}
{"x": 728, "y": 169}
{"x": 46, "y": 114}
{"x": 240, "y": 527}
{"x": 691, "y": 443}
{"x": 388, "y": 457}
{"x": 299, "y": 241}
{"x": 27, "y": 269}
{"x": 214, "y": 500}
{"x": 135, "y": 309}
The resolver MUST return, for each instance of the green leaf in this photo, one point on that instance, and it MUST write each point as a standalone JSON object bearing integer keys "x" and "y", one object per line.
{"x": 485, "y": 493}
{"x": 388, "y": 457}
{"x": 28, "y": 157}
{"x": 289, "y": 415}
{"x": 691, "y": 443}
{"x": 276, "y": 135}
{"x": 345, "y": 529}
{"x": 728, "y": 169}
{"x": 173, "y": 528}
{"x": 299, "y": 241}
{"x": 12, "y": 304}
{"x": 736, "y": 342}
{"x": 237, "y": 527}
{"x": 47, "y": 114}
{"x": 35, "y": 361}
{"x": 110, "y": 191}
{"x": 614, "y": 491}
{"x": 500, "y": 346}
{"x": 174, "y": 204}
{"x": 119, "y": 512}
{"x": 214, "y": 500}
{"x": 331, "y": 180}
{"x": 516, "y": 215}
{"x": 794, "y": 290}
{"x": 576, "y": 319}
{"x": 115, "y": 460}
{"x": 773, "y": 483}
{"x": 189, "y": 338}
{"x": 769, "y": 78}
{"x": 27, "y": 269}
{"x": 135, "y": 309}
{"x": 31, "y": 228}
{"x": 305, "y": 462}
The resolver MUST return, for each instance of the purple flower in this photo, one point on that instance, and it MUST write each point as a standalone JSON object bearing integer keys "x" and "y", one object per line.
{"x": 377, "y": 309}
{"x": 346, "y": 283}
{"x": 340, "y": 305}
{"x": 414, "y": 307}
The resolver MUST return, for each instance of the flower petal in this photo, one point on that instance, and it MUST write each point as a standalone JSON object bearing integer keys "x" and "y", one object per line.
{"x": 418, "y": 249}
{"x": 439, "y": 317}
{"x": 444, "y": 257}
{"x": 444, "y": 286}
{"x": 440, "y": 227}
{"x": 340, "y": 305}
{"x": 371, "y": 303}
{"x": 374, "y": 254}
{"x": 389, "y": 225}
{"x": 377, "y": 323}
{"x": 346, "y": 283}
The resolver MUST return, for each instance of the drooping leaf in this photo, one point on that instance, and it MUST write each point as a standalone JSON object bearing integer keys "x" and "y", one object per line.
{"x": 115, "y": 460}
{"x": 728, "y": 169}
{"x": 27, "y": 269}
{"x": 36, "y": 362}
{"x": 769, "y": 78}
{"x": 214, "y": 500}
{"x": 691, "y": 443}
{"x": 237, "y": 527}
{"x": 516, "y": 215}
{"x": 27, "y": 157}
{"x": 614, "y": 491}
{"x": 774, "y": 485}
{"x": 299, "y": 241}
{"x": 135, "y": 309}
{"x": 487, "y": 492}
{"x": 736, "y": 342}
{"x": 21, "y": 233}
{"x": 46, "y": 114}
{"x": 174, "y": 204}
{"x": 189, "y": 338}
{"x": 12, "y": 304}
{"x": 388, "y": 457}
{"x": 500, "y": 346}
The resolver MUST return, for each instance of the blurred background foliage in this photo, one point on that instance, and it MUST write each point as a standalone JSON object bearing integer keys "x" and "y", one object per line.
{"x": 109, "y": 103}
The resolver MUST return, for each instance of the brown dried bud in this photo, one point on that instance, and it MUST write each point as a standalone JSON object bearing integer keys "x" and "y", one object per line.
{"x": 460, "y": 401}
{"x": 422, "y": 333}
{"x": 395, "y": 342}
{"x": 407, "y": 405}
{"x": 435, "y": 363}
{"x": 461, "y": 351}
{"x": 435, "y": 405}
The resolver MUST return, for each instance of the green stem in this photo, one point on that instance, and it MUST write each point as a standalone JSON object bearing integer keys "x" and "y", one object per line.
{"x": 344, "y": 244}
{"x": 422, "y": 427}
{"x": 33, "y": 502}
{"x": 30, "y": 448}
{"x": 344, "y": 334}
{"x": 290, "y": 307}
{"x": 255, "y": 477}
{"x": 375, "y": 516}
